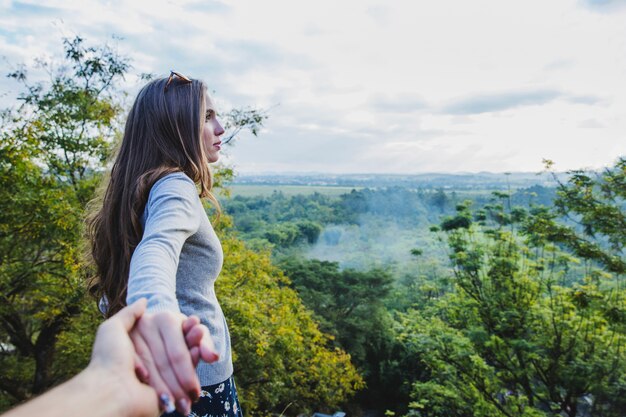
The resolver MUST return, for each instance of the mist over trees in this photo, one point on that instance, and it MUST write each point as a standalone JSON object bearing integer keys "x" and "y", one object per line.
{"x": 525, "y": 334}
{"x": 503, "y": 303}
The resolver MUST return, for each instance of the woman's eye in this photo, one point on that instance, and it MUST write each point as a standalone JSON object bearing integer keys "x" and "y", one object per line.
{"x": 209, "y": 115}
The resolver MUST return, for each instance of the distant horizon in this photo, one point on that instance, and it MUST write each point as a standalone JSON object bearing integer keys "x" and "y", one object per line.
{"x": 425, "y": 180}
{"x": 400, "y": 174}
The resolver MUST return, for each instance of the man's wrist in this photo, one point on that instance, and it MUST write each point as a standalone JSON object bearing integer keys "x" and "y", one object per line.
{"x": 113, "y": 391}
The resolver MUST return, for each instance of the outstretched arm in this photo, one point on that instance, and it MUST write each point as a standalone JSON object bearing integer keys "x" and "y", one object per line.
{"x": 172, "y": 214}
{"x": 108, "y": 386}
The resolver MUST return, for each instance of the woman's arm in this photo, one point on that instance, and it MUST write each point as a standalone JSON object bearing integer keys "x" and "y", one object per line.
{"x": 173, "y": 214}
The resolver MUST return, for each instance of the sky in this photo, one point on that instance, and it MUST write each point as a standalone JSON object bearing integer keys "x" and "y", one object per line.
{"x": 371, "y": 86}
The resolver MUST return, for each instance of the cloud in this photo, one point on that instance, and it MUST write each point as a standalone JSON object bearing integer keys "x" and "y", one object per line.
{"x": 23, "y": 9}
{"x": 331, "y": 143}
{"x": 584, "y": 99}
{"x": 379, "y": 13}
{"x": 381, "y": 81}
{"x": 400, "y": 103}
{"x": 215, "y": 6}
{"x": 243, "y": 55}
{"x": 559, "y": 64}
{"x": 591, "y": 124}
{"x": 484, "y": 103}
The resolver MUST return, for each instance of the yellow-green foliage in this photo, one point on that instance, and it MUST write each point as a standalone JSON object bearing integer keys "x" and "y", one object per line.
{"x": 280, "y": 355}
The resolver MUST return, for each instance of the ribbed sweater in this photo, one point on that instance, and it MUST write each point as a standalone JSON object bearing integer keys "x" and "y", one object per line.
{"x": 177, "y": 262}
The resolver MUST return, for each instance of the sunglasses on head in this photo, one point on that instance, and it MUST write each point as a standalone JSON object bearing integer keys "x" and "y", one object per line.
{"x": 173, "y": 74}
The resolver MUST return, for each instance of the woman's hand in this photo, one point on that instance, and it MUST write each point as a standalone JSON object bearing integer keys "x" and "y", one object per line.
{"x": 198, "y": 341}
{"x": 169, "y": 346}
{"x": 113, "y": 366}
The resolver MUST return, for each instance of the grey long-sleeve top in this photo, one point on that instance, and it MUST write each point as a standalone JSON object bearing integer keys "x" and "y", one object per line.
{"x": 177, "y": 262}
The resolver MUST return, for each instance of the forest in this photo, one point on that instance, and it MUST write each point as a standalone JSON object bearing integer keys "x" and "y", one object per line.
{"x": 417, "y": 284}
{"x": 391, "y": 299}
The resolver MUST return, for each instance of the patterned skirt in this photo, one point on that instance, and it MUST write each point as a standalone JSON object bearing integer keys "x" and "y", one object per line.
{"x": 219, "y": 400}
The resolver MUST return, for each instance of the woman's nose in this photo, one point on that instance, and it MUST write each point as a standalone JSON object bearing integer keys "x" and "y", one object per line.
{"x": 219, "y": 130}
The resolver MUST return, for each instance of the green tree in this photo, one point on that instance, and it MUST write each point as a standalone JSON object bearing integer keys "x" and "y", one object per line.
{"x": 349, "y": 303}
{"x": 49, "y": 147}
{"x": 440, "y": 200}
{"x": 518, "y": 337}
{"x": 351, "y": 306}
{"x": 282, "y": 359}
{"x": 594, "y": 206}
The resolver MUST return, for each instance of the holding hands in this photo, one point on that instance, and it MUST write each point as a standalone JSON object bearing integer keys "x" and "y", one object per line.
{"x": 133, "y": 349}
{"x": 168, "y": 347}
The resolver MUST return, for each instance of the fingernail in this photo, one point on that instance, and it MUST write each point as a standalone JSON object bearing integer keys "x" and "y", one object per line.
{"x": 183, "y": 404}
{"x": 194, "y": 395}
{"x": 167, "y": 404}
{"x": 214, "y": 357}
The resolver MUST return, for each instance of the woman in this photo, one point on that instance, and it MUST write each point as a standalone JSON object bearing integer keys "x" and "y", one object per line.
{"x": 152, "y": 237}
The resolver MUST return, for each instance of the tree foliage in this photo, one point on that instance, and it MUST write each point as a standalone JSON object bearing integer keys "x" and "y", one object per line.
{"x": 594, "y": 205}
{"x": 50, "y": 146}
{"x": 519, "y": 337}
{"x": 282, "y": 359}
{"x": 352, "y": 306}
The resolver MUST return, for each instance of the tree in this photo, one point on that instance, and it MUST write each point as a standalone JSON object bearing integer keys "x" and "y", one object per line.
{"x": 282, "y": 359}
{"x": 50, "y": 146}
{"x": 593, "y": 205}
{"x": 440, "y": 200}
{"x": 350, "y": 305}
{"x": 527, "y": 332}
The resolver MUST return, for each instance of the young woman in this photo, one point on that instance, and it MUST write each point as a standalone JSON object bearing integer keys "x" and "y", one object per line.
{"x": 152, "y": 238}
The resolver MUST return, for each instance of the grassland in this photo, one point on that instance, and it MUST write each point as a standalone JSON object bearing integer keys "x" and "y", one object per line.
{"x": 246, "y": 190}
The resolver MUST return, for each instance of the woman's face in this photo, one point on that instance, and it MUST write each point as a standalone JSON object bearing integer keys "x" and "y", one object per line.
{"x": 211, "y": 132}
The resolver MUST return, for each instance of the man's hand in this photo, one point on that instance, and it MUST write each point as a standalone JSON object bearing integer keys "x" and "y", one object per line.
{"x": 114, "y": 363}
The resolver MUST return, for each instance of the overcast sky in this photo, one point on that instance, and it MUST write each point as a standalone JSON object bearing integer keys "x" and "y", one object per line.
{"x": 397, "y": 86}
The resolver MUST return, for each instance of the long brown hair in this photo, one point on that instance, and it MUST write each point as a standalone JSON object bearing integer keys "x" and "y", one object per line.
{"x": 162, "y": 135}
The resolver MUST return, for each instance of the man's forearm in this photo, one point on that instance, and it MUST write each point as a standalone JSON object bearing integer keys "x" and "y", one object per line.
{"x": 88, "y": 393}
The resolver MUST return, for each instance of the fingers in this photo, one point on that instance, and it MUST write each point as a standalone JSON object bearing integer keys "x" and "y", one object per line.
{"x": 112, "y": 346}
{"x": 194, "y": 336}
{"x": 129, "y": 315}
{"x": 154, "y": 378}
{"x": 189, "y": 323}
{"x": 170, "y": 376}
{"x": 195, "y": 355}
{"x": 140, "y": 370}
{"x": 198, "y": 336}
{"x": 180, "y": 361}
{"x": 169, "y": 356}
{"x": 207, "y": 348}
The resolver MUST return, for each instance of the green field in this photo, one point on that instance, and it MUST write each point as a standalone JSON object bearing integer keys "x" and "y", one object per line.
{"x": 254, "y": 190}
{"x": 288, "y": 190}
